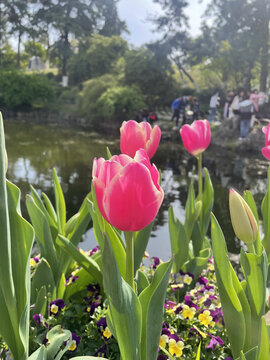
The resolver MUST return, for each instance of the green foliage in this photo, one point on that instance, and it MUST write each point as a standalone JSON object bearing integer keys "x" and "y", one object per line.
{"x": 17, "y": 238}
{"x": 91, "y": 92}
{"x": 120, "y": 102}
{"x": 19, "y": 90}
{"x": 97, "y": 55}
{"x": 32, "y": 48}
{"x": 153, "y": 74}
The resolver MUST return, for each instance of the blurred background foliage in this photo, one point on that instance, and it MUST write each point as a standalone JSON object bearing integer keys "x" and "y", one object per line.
{"x": 110, "y": 79}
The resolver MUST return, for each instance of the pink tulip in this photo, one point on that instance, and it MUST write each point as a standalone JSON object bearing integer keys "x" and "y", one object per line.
{"x": 266, "y": 149}
{"x": 196, "y": 137}
{"x": 127, "y": 190}
{"x": 135, "y": 136}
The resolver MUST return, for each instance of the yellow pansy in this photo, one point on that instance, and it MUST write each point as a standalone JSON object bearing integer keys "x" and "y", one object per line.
{"x": 163, "y": 340}
{"x": 188, "y": 312}
{"x": 106, "y": 333}
{"x": 72, "y": 346}
{"x": 205, "y": 318}
{"x": 176, "y": 348}
{"x": 187, "y": 279}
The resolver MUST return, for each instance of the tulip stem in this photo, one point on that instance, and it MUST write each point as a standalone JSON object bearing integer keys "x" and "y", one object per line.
{"x": 129, "y": 235}
{"x": 200, "y": 184}
{"x": 251, "y": 248}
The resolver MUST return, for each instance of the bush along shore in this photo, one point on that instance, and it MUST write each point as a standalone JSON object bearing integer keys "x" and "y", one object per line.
{"x": 108, "y": 302}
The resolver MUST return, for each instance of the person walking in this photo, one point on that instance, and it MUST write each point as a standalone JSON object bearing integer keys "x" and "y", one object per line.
{"x": 176, "y": 110}
{"x": 246, "y": 110}
{"x": 214, "y": 102}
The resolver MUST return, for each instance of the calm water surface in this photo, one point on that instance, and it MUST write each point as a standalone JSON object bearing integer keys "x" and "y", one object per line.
{"x": 33, "y": 150}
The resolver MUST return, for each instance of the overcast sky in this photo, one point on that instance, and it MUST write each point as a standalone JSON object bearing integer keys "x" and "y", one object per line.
{"x": 136, "y": 12}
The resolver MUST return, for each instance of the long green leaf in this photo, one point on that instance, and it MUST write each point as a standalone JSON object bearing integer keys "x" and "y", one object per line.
{"x": 118, "y": 249}
{"x": 60, "y": 204}
{"x": 152, "y": 302}
{"x": 179, "y": 241}
{"x": 39, "y": 203}
{"x": 39, "y": 354}
{"x": 265, "y": 208}
{"x": 125, "y": 308}
{"x": 232, "y": 309}
{"x": 43, "y": 276}
{"x": 264, "y": 345}
{"x": 255, "y": 271}
{"x": 86, "y": 262}
{"x": 43, "y": 234}
{"x": 140, "y": 243}
{"x": 190, "y": 213}
{"x": 208, "y": 200}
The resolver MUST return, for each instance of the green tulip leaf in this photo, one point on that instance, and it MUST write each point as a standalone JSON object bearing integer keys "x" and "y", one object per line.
{"x": 43, "y": 234}
{"x": 39, "y": 354}
{"x": 190, "y": 211}
{"x": 152, "y": 301}
{"x": 179, "y": 241}
{"x": 40, "y": 305}
{"x": 59, "y": 341}
{"x": 141, "y": 281}
{"x": 125, "y": 308}
{"x": 141, "y": 240}
{"x": 232, "y": 309}
{"x": 60, "y": 204}
{"x": 265, "y": 208}
{"x": 86, "y": 262}
{"x": 43, "y": 276}
{"x": 50, "y": 208}
{"x": 264, "y": 347}
{"x": 118, "y": 249}
{"x": 207, "y": 200}
{"x": 255, "y": 272}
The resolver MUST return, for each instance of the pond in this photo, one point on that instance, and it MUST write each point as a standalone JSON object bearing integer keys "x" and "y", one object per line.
{"x": 33, "y": 150}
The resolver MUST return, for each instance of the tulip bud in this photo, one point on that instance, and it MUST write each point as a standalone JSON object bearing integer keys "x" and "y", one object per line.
{"x": 243, "y": 221}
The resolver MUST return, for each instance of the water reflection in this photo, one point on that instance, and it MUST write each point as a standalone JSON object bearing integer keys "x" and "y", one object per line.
{"x": 33, "y": 151}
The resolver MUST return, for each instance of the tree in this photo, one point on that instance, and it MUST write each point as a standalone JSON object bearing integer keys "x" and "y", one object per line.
{"x": 17, "y": 17}
{"x": 173, "y": 25}
{"x": 245, "y": 25}
{"x": 153, "y": 74}
{"x": 77, "y": 19}
{"x": 97, "y": 55}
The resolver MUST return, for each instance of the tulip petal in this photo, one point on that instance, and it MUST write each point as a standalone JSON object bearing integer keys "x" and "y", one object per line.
{"x": 153, "y": 142}
{"x": 132, "y": 138}
{"x": 132, "y": 201}
{"x": 266, "y": 152}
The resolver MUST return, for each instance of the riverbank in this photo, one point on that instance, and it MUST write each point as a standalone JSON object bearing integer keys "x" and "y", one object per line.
{"x": 225, "y": 135}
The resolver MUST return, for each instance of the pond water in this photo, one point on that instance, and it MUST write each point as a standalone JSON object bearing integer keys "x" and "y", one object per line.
{"x": 33, "y": 150}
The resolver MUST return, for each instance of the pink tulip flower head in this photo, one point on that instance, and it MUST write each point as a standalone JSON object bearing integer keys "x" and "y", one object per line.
{"x": 135, "y": 136}
{"x": 127, "y": 190}
{"x": 196, "y": 137}
{"x": 266, "y": 149}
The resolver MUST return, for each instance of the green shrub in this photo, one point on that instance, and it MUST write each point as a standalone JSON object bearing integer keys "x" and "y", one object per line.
{"x": 120, "y": 102}
{"x": 22, "y": 91}
{"x": 91, "y": 92}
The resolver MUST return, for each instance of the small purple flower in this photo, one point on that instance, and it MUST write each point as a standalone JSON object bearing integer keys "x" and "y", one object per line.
{"x": 75, "y": 342}
{"x": 215, "y": 340}
{"x": 202, "y": 280}
{"x": 93, "y": 251}
{"x": 162, "y": 357}
{"x": 102, "y": 323}
{"x": 178, "y": 309}
{"x": 56, "y": 305}
{"x": 165, "y": 331}
{"x": 156, "y": 262}
{"x": 102, "y": 351}
{"x": 37, "y": 259}
{"x": 189, "y": 302}
{"x": 38, "y": 318}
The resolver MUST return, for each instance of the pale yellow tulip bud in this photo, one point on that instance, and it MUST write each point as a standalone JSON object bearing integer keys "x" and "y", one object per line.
{"x": 243, "y": 221}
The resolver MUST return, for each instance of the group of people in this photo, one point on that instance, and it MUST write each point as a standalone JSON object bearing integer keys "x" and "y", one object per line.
{"x": 145, "y": 115}
{"x": 183, "y": 105}
{"x": 241, "y": 108}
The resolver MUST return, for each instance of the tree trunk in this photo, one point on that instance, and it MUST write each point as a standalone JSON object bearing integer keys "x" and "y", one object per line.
{"x": 264, "y": 51}
{"x": 65, "y": 53}
{"x": 19, "y": 49}
{"x": 181, "y": 69}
